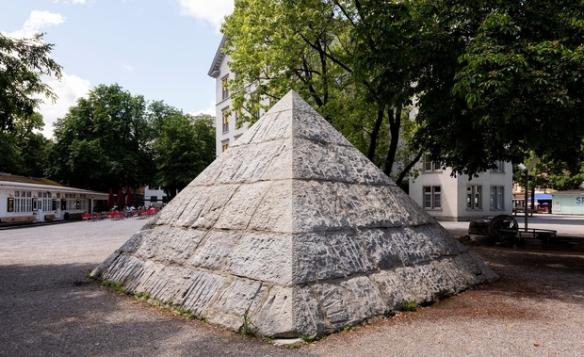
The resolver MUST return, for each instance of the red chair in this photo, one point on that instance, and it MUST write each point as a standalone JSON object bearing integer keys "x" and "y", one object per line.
{"x": 86, "y": 216}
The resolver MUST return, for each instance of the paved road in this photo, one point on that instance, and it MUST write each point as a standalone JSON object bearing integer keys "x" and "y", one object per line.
{"x": 566, "y": 226}
{"x": 48, "y": 308}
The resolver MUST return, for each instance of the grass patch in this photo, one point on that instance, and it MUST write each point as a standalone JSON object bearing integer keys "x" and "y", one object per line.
{"x": 246, "y": 328}
{"x": 409, "y": 306}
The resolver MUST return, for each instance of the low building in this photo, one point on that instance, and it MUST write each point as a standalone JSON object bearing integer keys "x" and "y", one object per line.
{"x": 155, "y": 197}
{"x": 568, "y": 202}
{"x": 27, "y": 200}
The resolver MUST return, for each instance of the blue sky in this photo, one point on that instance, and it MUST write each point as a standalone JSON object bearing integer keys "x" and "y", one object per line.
{"x": 161, "y": 49}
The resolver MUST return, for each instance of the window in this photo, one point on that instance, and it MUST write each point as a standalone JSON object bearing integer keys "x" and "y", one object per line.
{"x": 497, "y": 201}
{"x": 71, "y": 201}
{"x": 430, "y": 165}
{"x": 473, "y": 197}
{"x": 500, "y": 167}
{"x": 224, "y": 145}
{"x": 238, "y": 115}
{"x": 22, "y": 201}
{"x": 225, "y": 119}
{"x": 45, "y": 201}
{"x": 432, "y": 197}
{"x": 225, "y": 87}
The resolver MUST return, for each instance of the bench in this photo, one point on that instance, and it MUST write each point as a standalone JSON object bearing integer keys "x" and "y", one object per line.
{"x": 49, "y": 217}
{"x": 73, "y": 216}
{"x": 18, "y": 219}
{"x": 522, "y": 210}
{"x": 532, "y": 233}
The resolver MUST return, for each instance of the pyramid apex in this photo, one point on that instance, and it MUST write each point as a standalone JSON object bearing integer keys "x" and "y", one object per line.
{"x": 292, "y": 101}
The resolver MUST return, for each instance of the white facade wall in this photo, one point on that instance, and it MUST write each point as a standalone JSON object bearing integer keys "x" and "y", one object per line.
{"x": 453, "y": 192}
{"x": 229, "y": 136}
{"x": 42, "y": 202}
{"x": 157, "y": 192}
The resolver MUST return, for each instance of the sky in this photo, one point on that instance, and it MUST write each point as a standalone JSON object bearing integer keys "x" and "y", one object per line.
{"x": 160, "y": 49}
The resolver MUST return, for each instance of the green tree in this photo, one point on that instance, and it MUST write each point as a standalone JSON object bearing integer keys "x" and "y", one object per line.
{"x": 355, "y": 61}
{"x": 22, "y": 63}
{"x": 103, "y": 142}
{"x": 183, "y": 146}
{"x": 503, "y": 79}
{"x": 23, "y": 150}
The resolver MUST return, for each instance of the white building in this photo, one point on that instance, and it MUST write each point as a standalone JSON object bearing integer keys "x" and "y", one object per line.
{"x": 225, "y": 124}
{"x": 154, "y": 196}
{"x": 443, "y": 196}
{"x": 460, "y": 199}
{"x": 27, "y": 200}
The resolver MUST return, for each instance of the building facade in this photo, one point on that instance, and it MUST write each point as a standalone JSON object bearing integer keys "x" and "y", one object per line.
{"x": 451, "y": 198}
{"x": 28, "y": 200}
{"x": 155, "y": 197}
{"x": 568, "y": 202}
{"x": 225, "y": 123}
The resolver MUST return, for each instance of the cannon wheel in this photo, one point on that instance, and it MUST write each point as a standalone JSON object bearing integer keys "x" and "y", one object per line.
{"x": 503, "y": 227}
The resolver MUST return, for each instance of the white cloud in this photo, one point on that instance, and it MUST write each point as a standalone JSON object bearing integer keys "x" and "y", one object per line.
{"x": 68, "y": 89}
{"x": 36, "y": 21}
{"x": 211, "y": 110}
{"x": 128, "y": 67}
{"x": 205, "y": 10}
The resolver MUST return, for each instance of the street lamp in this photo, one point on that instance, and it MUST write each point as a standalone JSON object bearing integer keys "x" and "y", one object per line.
{"x": 529, "y": 167}
{"x": 524, "y": 168}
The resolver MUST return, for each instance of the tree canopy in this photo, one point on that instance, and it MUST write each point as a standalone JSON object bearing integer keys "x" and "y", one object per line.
{"x": 183, "y": 146}
{"x": 22, "y": 64}
{"x": 23, "y": 150}
{"x": 513, "y": 85}
{"x": 491, "y": 80}
{"x": 103, "y": 141}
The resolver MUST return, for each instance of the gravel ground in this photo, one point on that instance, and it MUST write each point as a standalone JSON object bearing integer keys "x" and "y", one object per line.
{"x": 48, "y": 308}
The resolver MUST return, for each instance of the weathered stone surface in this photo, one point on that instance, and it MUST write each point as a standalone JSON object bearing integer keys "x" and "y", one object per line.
{"x": 276, "y": 313}
{"x": 213, "y": 253}
{"x": 274, "y": 214}
{"x": 297, "y": 231}
{"x": 229, "y": 308}
{"x": 322, "y": 161}
{"x": 264, "y": 257}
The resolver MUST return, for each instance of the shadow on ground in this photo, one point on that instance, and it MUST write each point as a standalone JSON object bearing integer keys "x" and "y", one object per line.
{"x": 53, "y": 310}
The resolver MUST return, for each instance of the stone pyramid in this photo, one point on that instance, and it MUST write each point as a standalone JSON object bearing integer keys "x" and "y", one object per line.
{"x": 296, "y": 230}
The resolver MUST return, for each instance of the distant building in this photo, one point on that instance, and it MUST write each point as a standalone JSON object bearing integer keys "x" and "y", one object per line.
{"x": 25, "y": 199}
{"x": 154, "y": 196}
{"x": 568, "y": 202}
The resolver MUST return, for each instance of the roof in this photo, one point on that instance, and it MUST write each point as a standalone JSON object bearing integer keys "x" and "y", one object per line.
{"x": 23, "y": 182}
{"x": 30, "y": 180}
{"x": 568, "y": 192}
{"x": 219, "y": 55}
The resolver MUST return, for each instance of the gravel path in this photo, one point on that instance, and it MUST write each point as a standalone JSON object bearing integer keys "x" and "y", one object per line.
{"x": 48, "y": 308}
